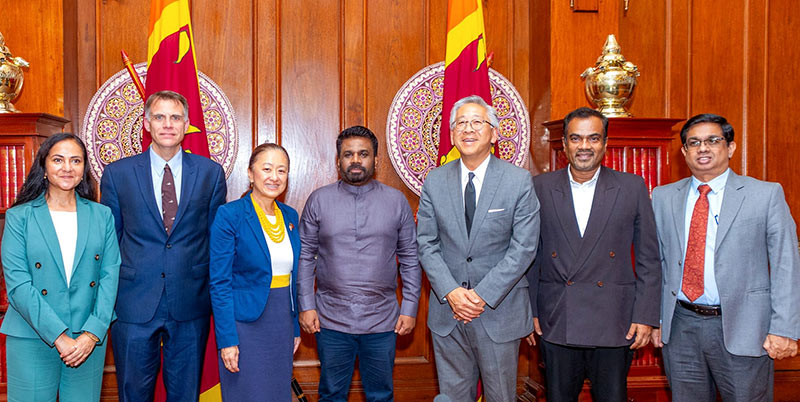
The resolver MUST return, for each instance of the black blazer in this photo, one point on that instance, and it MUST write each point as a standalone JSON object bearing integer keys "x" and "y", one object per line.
{"x": 584, "y": 290}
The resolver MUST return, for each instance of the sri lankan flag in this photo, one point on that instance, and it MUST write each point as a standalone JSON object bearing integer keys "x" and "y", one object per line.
{"x": 172, "y": 65}
{"x": 465, "y": 69}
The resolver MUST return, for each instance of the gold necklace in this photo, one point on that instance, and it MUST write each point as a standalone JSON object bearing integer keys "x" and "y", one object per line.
{"x": 276, "y": 232}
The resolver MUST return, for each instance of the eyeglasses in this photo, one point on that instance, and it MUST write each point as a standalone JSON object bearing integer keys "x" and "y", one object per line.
{"x": 710, "y": 142}
{"x": 476, "y": 125}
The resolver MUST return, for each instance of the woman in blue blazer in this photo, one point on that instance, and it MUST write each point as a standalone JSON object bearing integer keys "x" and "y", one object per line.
{"x": 255, "y": 247}
{"x": 61, "y": 265}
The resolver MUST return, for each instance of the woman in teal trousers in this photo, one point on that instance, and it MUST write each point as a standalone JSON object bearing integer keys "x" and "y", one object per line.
{"x": 61, "y": 265}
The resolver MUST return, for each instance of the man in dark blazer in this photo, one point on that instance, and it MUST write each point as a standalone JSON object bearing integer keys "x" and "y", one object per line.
{"x": 730, "y": 306}
{"x": 589, "y": 305}
{"x": 477, "y": 224}
{"x": 163, "y": 294}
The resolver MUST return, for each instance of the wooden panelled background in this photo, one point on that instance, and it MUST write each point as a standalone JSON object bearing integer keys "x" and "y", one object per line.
{"x": 299, "y": 71}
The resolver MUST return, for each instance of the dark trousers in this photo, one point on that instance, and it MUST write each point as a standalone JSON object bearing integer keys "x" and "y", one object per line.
{"x": 337, "y": 356}
{"x": 697, "y": 363}
{"x": 137, "y": 356}
{"x": 566, "y": 367}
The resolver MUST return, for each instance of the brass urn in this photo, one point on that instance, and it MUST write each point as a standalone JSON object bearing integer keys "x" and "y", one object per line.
{"x": 10, "y": 77}
{"x": 610, "y": 83}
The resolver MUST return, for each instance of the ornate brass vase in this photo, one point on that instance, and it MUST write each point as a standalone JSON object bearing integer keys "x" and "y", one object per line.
{"x": 610, "y": 83}
{"x": 10, "y": 77}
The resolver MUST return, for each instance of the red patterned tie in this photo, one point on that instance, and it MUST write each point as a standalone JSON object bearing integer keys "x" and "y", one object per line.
{"x": 693, "y": 266}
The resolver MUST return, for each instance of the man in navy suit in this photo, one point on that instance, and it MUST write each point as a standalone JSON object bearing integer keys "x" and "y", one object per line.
{"x": 163, "y": 201}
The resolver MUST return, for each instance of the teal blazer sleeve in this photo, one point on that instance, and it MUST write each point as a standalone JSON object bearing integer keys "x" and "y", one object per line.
{"x": 41, "y": 303}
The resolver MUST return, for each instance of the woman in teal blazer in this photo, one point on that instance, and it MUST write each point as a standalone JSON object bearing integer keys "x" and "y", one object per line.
{"x": 255, "y": 248}
{"x": 61, "y": 265}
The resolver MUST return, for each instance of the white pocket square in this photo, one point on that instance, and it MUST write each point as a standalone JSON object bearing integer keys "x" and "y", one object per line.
{"x": 496, "y": 210}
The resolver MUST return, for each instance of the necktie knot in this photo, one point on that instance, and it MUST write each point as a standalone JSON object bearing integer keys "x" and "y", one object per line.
{"x": 704, "y": 189}
{"x": 471, "y": 176}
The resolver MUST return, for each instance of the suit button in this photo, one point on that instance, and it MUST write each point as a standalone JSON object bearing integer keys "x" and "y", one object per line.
{"x": 91, "y": 284}
{"x": 44, "y": 292}
{"x": 162, "y": 275}
{"x": 569, "y": 283}
{"x": 463, "y": 284}
{"x": 612, "y": 254}
{"x": 600, "y": 284}
{"x": 469, "y": 259}
{"x": 38, "y": 265}
{"x": 554, "y": 254}
{"x": 169, "y": 245}
{"x": 97, "y": 257}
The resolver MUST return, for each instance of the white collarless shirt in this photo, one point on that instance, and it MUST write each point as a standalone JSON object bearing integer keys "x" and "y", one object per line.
{"x": 66, "y": 224}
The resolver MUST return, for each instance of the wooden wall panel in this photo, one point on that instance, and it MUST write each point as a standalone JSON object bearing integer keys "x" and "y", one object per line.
{"x": 394, "y": 52}
{"x": 310, "y": 108}
{"x": 576, "y": 42}
{"x": 33, "y": 30}
{"x": 717, "y": 65}
{"x": 782, "y": 101}
{"x": 224, "y": 37}
{"x": 642, "y": 37}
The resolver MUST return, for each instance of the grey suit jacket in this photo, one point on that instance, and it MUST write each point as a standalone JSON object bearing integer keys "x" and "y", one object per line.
{"x": 583, "y": 289}
{"x": 493, "y": 259}
{"x": 756, "y": 261}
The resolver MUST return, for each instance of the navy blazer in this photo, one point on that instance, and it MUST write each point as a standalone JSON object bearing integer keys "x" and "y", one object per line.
{"x": 241, "y": 269}
{"x": 152, "y": 260}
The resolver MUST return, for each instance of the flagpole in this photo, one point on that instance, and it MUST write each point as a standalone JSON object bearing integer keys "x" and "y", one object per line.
{"x": 132, "y": 71}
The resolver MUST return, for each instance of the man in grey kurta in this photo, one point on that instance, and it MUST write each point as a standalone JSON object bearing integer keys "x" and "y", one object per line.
{"x": 353, "y": 234}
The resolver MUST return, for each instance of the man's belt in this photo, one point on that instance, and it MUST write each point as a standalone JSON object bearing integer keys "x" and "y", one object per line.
{"x": 701, "y": 309}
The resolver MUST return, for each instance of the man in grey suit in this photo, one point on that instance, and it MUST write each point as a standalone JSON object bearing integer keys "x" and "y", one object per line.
{"x": 731, "y": 272}
{"x": 476, "y": 223}
{"x": 589, "y": 306}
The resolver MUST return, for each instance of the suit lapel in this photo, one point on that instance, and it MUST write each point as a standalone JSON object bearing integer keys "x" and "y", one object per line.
{"x": 457, "y": 198}
{"x": 145, "y": 179}
{"x": 188, "y": 179}
{"x": 565, "y": 211}
{"x": 83, "y": 212}
{"x": 489, "y": 186}
{"x": 731, "y": 204}
{"x": 679, "y": 212}
{"x": 605, "y": 196}
{"x": 255, "y": 226}
{"x": 45, "y": 224}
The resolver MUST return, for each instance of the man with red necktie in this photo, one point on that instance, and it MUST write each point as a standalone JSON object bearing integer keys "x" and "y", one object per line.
{"x": 731, "y": 271}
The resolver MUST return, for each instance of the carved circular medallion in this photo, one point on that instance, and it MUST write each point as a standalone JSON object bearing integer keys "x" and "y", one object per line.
{"x": 412, "y": 128}
{"x": 112, "y": 127}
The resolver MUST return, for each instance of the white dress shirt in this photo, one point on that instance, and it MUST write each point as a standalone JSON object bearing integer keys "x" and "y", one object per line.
{"x": 477, "y": 181}
{"x": 582, "y": 198}
{"x": 710, "y": 294}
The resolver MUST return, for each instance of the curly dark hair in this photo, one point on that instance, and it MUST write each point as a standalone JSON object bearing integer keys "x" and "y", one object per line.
{"x": 36, "y": 183}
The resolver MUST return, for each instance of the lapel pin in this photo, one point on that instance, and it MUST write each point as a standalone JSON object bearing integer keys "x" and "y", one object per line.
{"x": 291, "y": 226}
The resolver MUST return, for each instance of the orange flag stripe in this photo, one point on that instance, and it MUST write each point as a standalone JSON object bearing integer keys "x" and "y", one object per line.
{"x": 464, "y": 33}
{"x": 156, "y": 6}
{"x": 457, "y": 11}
